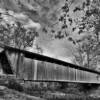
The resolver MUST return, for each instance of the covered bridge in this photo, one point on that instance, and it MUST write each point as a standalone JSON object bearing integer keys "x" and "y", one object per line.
{"x": 35, "y": 67}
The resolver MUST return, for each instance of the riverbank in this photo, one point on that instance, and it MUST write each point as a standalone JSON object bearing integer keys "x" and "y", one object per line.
{"x": 13, "y": 89}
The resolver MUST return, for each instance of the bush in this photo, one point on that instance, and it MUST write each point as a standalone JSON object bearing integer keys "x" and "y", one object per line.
{"x": 29, "y": 90}
{"x": 2, "y": 93}
{"x": 70, "y": 97}
{"x": 32, "y": 90}
{"x": 13, "y": 84}
{"x": 87, "y": 87}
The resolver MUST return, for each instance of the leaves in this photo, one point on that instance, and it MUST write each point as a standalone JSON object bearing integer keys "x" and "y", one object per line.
{"x": 17, "y": 35}
{"x": 70, "y": 20}
{"x": 61, "y": 18}
{"x": 59, "y": 35}
{"x": 71, "y": 39}
{"x": 88, "y": 24}
{"x": 73, "y": 29}
{"x": 53, "y": 31}
{"x": 65, "y": 8}
{"x": 44, "y": 30}
{"x": 80, "y": 31}
{"x": 77, "y": 9}
{"x": 87, "y": 2}
{"x": 64, "y": 26}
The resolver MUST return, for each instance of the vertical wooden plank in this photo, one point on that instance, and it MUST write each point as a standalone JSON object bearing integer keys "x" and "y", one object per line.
{"x": 18, "y": 64}
{"x": 35, "y": 70}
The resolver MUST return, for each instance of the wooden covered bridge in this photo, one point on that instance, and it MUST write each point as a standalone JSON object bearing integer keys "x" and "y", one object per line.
{"x": 35, "y": 67}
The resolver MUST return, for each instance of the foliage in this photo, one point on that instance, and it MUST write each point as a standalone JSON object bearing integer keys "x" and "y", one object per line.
{"x": 2, "y": 93}
{"x": 89, "y": 45}
{"x": 13, "y": 84}
{"x": 87, "y": 25}
{"x": 32, "y": 91}
{"x": 72, "y": 97}
{"x": 86, "y": 88}
{"x": 16, "y": 35}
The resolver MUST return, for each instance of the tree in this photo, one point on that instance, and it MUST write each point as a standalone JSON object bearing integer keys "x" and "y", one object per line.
{"x": 17, "y": 36}
{"x": 90, "y": 23}
{"x": 87, "y": 25}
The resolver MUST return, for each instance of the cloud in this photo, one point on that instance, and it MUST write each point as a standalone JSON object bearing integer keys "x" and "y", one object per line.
{"x": 60, "y": 49}
{"x": 31, "y": 24}
{"x": 25, "y": 20}
{"x": 38, "y": 13}
{"x": 10, "y": 17}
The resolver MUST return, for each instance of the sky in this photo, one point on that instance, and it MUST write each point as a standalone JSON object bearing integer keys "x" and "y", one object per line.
{"x": 38, "y": 15}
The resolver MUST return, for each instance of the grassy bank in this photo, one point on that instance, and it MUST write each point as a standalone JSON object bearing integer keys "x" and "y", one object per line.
{"x": 66, "y": 91}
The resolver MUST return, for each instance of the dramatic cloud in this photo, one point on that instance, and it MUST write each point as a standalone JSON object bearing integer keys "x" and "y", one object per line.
{"x": 11, "y": 17}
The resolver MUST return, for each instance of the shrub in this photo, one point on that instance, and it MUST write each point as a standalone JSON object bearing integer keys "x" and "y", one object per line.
{"x": 13, "y": 84}
{"x": 31, "y": 90}
{"x": 2, "y": 93}
{"x": 72, "y": 97}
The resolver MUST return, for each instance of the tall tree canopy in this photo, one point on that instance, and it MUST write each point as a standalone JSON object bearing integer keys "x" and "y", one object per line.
{"x": 16, "y": 35}
{"x": 87, "y": 25}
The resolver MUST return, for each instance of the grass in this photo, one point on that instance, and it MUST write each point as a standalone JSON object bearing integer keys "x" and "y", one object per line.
{"x": 13, "y": 84}
{"x": 71, "y": 92}
{"x": 72, "y": 97}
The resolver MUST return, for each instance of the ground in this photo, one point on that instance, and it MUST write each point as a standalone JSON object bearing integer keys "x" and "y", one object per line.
{"x": 9, "y": 94}
{"x": 12, "y": 89}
